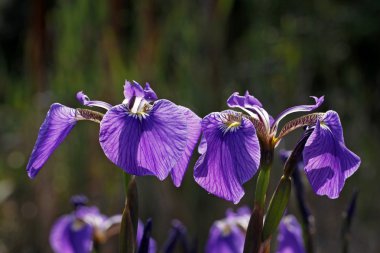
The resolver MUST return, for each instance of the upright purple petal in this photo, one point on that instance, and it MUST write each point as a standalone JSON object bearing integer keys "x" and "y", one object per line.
{"x": 232, "y": 156}
{"x": 289, "y": 238}
{"x": 71, "y": 236}
{"x": 149, "y": 94}
{"x": 246, "y": 101}
{"x": 58, "y": 123}
{"x": 298, "y": 108}
{"x": 132, "y": 89}
{"x": 144, "y": 145}
{"x": 193, "y": 133}
{"x": 328, "y": 162}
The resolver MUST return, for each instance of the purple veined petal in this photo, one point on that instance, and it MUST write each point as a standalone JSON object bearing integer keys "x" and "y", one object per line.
{"x": 229, "y": 239}
{"x": 232, "y": 156}
{"x": 147, "y": 145}
{"x": 246, "y": 101}
{"x": 193, "y": 133}
{"x": 252, "y": 106}
{"x": 85, "y": 100}
{"x": 132, "y": 89}
{"x": 298, "y": 108}
{"x": 289, "y": 239}
{"x": 149, "y": 94}
{"x": 328, "y": 162}
{"x": 140, "y": 232}
{"x": 58, "y": 123}
{"x": 202, "y": 147}
{"x": 70, "y": 236}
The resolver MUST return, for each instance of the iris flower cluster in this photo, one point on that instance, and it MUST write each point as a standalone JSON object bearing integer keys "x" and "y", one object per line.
{"x": 147, "y": 136}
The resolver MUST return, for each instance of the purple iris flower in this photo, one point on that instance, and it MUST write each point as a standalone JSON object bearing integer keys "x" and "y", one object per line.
{"x": 142, "y": 135}
{"x": 233, "y": 142}
{"x": 76, "y": 232}
{"x": 289, "y": 239}
{"x": 228, "y": 235}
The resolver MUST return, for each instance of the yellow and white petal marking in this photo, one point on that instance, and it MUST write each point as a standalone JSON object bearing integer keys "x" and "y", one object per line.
{"x": 231, "y": 123}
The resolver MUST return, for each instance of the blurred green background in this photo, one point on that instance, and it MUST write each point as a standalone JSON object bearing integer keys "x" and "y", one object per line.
{"x": 195, "y": 53}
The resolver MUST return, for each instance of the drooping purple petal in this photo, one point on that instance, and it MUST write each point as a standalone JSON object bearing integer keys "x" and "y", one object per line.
{"x": 140, "y": 232}
{"x": 232, "y": 156}
{"x": 85, "y": 100}
{"x": 289, "y": 239}
{"x": 193, "y": 133}
{"x": 246, "y": 101}
{"x": 58, "y": 123}
{"x": 328, "y": 162}
{"x": 298, "y": 108}
{"x": 144, "y": 145}
{"x": 71, "y": 236}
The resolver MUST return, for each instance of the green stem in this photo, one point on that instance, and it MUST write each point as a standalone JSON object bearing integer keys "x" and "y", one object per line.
{"x": 129, "y": 221}
{"x": 263, "y": 179}
{"x": 252, "y": 242}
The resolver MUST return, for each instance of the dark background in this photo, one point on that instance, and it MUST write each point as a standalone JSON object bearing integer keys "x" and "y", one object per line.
{"x": 195, "y": 53}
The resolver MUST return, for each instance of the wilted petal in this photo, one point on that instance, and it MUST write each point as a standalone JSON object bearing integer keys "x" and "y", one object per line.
{"x": 193, "y": 133}
{"x": 71, "y": 236}
{"x": 149, "y": 145}
{"x": 298, "y": 108}
{"x": 58, "y": 123}
{"x": 289, "y": 238}
{"x": 232, "y": 156}
{"x": 328, "y": 162}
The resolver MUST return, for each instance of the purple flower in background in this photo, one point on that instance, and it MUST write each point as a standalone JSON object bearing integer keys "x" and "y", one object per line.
{"x": 143, "y": 135}
{"x": 233, "y": 142}
{"x": 79, "y": 231}
{"x": 139, "y": 237}
{"x": 76, "y": 232}
{"x": 228, "y": 235}
{"x": 289, "y": 239}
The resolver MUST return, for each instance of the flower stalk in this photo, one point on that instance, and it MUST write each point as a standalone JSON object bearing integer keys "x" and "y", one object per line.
{"x": 128, "y": 230}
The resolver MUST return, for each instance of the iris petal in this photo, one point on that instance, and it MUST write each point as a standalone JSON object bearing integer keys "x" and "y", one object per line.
{"x": 67, "y": 236}
{"x": 133, "y": 89}
{"x": 231, "y": 159}
{"x": 298, "y": 108}
{"x": 225, "y": 242}
{"x": 140, "y": 232}
{"x": 193, "y": 133}
{"x": 290, "y": 236}
{"x": 144, "y": 146}
{"x": 246, "y": 101}
{"x": 85, "y": 100}
{"x": 328, "y": 162}
{"x": 58, "y": 123}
